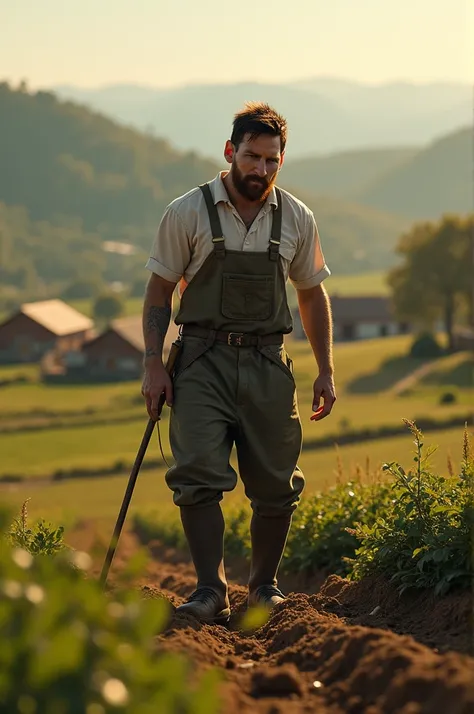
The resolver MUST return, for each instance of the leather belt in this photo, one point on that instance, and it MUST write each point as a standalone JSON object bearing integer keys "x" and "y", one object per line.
{"x": 235, "y": 339}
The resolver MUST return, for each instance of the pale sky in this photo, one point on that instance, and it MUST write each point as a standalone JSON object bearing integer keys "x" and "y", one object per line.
{"x": 175, "y": 42}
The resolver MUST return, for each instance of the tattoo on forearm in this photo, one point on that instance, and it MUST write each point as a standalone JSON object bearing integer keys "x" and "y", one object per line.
{"x": 157, "y": 323}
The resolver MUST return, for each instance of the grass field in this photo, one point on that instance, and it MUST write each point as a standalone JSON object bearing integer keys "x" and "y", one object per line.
{"x": 92, "y": 427}
{"x": 100, "y": 498}
{"x": 133, "y": 306}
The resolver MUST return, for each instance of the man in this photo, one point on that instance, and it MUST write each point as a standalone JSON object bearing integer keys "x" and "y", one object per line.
{"x": 233, "y": 244}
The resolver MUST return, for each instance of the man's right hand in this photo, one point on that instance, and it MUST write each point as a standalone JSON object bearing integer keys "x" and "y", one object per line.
{"x": 156, "y": 382}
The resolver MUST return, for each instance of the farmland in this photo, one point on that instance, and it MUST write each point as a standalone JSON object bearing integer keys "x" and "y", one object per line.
{"x": 48, "y": 429}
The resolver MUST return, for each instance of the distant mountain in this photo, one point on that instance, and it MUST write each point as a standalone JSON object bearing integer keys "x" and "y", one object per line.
{"x": 342, "y": 174}
{"x": 324, "y": 114}
{"x": 200, "y": 117}
{"x": 436, "y": 180}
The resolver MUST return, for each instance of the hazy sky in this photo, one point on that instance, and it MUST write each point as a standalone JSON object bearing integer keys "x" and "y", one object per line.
{"x": 170, "y": 42}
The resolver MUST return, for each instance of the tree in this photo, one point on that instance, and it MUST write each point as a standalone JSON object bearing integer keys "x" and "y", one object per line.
{"x": 108, "y": 307}
{"x": 435, "y": 277}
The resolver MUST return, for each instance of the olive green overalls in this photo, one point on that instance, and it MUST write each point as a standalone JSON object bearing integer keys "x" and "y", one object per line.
{"x": 233, "y": 383}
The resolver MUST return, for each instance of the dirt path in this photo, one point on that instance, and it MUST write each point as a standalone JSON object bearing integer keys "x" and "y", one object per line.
{"x": 346, "y": 649}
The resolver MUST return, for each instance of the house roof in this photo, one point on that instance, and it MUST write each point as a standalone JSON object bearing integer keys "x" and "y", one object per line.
{"x": 130, "y": 329}
{"x": 57, "y": 316}
{"x": 361, "y": 308}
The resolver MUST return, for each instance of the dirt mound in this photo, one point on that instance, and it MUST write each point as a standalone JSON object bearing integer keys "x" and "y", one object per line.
{"x": 350, "y": 648}
{"x": 440, "y": 623}
{"x": 306, "y": 660}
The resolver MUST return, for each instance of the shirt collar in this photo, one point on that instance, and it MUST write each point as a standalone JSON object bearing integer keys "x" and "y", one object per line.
{"x": 220, "y": 193}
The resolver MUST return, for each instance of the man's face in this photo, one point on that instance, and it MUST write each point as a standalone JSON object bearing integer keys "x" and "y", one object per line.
{"x": 255, "y": 165}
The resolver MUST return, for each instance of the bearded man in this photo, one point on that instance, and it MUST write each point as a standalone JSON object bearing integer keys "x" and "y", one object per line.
{"x": 232, "y": 244}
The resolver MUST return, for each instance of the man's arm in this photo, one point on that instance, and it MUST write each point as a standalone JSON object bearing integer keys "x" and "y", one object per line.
{"x": 156, "y": 316}
{"x": 155, "y": 320}
{"x": 316, "y": 318}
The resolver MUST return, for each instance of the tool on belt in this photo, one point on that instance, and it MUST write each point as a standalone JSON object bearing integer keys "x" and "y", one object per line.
{"x": 172, "y": 355}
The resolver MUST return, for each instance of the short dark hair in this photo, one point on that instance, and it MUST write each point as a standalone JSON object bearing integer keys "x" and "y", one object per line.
{"x": 258, "y": 118}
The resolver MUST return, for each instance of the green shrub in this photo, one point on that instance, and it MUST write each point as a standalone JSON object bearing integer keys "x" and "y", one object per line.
{"x": 237, "y": 532}
{"x": 448, "y": 398}
{"x": 69, "y": 648}
{"x": 42, "y": 539}
{"x": 425, "y": 346}
{"x": 319, "y": 539}
{"x": 424, "y": 540}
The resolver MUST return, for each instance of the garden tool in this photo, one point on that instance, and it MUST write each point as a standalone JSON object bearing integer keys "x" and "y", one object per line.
{"x": 172, "y": 355}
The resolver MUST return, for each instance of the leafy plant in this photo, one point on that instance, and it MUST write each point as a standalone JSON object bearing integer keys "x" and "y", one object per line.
{"x": 42, "y": 538}
{"x": 321, "y": 538}
{"x": 69, "y": 647}
{"x": 424, "y": 539}
{"x": 237, "y": 532}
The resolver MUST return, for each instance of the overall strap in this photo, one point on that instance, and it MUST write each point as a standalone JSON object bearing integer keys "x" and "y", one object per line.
{"x": 216, "y": 228}
{"x": 274, "y": 248}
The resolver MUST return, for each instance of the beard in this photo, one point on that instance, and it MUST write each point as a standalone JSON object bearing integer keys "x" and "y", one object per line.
{"x": 253, "y": 188}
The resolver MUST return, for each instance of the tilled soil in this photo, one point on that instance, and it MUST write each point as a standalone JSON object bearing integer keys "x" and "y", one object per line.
{"x": 349, "y": 648}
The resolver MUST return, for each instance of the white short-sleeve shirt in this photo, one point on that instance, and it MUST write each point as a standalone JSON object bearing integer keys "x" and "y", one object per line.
{"x": 184, "y": 239}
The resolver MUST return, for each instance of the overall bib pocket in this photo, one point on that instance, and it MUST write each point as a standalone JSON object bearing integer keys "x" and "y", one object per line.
{"x": 247, "y": 297}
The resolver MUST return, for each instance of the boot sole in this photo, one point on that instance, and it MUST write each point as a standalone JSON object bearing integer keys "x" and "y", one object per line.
{"x": 223, "y": 618}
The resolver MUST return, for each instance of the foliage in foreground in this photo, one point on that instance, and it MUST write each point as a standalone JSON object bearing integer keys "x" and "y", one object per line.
{"x": 424, "y": 538}
{"x": 68, "y": 647}
{"x": 416, "y": 528}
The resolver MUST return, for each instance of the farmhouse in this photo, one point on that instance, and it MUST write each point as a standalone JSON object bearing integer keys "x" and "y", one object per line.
{"x": 39, "y": 327}
{"x": 114, "y": 355}
{"x": 360, "y": 317}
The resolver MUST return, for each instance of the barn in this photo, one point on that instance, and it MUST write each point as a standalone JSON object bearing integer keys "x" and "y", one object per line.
{"x": 37, "y": 328}
{"x": 360, "y": 317}
{"x": 114, "y": 355}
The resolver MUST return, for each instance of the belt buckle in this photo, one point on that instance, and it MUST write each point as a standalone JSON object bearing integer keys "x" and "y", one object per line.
{"x": 238, "y": 339}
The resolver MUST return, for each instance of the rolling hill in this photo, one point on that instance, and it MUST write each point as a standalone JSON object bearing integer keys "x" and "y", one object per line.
{"x": 436, "y": 180}
{"x": 414, "y": 183}
{"x": 343, "y": 173}
{"x": 59, "y": 158}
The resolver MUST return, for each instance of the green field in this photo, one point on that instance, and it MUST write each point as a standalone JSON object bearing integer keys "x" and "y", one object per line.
{"x": 373, "y": 283}
{"x": 100, "y": 498}
{"x": 83, "y": 427}
{"x": 95, "y": 426}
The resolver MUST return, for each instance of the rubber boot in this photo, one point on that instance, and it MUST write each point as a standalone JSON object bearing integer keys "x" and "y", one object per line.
{"x": 204, "y": 529}
{"x": 268, "y": 536}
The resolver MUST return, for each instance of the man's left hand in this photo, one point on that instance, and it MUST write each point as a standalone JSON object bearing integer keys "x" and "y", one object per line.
{"x": 323, "y": 389}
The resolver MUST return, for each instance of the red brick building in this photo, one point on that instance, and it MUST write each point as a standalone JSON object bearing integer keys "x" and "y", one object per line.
{"x": 41, "y": 327}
